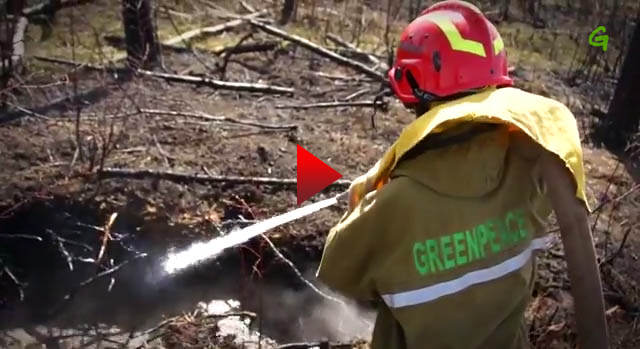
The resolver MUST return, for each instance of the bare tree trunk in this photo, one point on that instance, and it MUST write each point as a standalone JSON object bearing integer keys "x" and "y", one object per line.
{"x": 623, "y": 118}
{"x": 142, "y": 46}
{"x": 504, "y": 15}
{"x": 15, "y": 7}
{"x": 288, "y": 11}
{"x": 7, "y": 44}
{"x": 54, "y": 6}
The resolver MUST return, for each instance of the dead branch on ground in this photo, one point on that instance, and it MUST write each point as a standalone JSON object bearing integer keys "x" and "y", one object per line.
{"x": 615, "y": 255}
{"x": 366, "y": 104}
{"x": 20, "y": 236}
{"x": 261, "y": 46}
{"x": 320, "y": 50}
{"x": 321, "y": 345}
{"x": 208, "y": 117}
{"x": 69, "y": 296}
{"x": 217, "y": 84}
{"x": 197, "y": 178}
{"x": 44, "y": 6}
{"x": 371, "y": 58}
{"x": 299, "y": 274}
{"x": 337, "y": 77}
{"x": 106, "y": 236}
{"x": 357, "y": 94}
{"x": 605, "y": 202}
{"x": 27, "y": 111}
{"x": 75, "y": 64}
{"x": 227, "y": 55}
{"x": 119, "y": 42}
{"x": 14, "y": 279}
{"x": 247, "y": 7}
{"x": 214, "y": 30}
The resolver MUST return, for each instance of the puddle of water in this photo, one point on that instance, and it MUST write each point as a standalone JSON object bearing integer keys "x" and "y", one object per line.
{"x": 143, "y": 294}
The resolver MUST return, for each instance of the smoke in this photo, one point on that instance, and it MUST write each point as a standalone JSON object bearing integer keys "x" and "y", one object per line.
{"x": 335, "y": 321}
{"x": 304, "y": 315}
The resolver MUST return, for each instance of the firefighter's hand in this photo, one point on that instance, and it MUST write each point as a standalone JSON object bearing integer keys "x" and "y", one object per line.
{"x": 362, "y": 186}
{"x": 355, "y": 195}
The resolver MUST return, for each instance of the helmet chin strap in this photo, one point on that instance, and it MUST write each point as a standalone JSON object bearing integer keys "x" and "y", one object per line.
{"x": 423, "y": 96}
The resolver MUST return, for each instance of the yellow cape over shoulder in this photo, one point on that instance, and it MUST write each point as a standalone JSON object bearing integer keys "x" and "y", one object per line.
{"x": 548, "y": 122}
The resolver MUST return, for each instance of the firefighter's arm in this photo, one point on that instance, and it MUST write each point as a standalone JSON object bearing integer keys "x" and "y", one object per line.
{"x": 349, "y": 257}
{"x": 579, "y": 252}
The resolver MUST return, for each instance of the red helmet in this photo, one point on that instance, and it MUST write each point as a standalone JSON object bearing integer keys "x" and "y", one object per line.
{"x": 450, "y": 48}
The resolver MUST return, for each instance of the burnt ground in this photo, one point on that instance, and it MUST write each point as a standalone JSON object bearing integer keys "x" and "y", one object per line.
{"x": 50, "y": 188}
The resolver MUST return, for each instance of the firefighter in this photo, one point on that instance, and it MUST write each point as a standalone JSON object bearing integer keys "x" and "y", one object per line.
{"x": 444, "y": 229}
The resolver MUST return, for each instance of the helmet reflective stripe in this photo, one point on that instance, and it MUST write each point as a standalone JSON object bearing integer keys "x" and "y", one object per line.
{"x": 450, "y": 48}
{"x": 458, "y": 43}
{"x": 433, "y": 292}
{"x": 498, "y": 45}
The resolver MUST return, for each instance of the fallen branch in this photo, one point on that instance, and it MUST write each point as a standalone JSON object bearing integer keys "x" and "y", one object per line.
{"x": 60, "y": 243}
{"x": 208, "y": 117}
{"x": 69, "y": 296}
{"x": 246, "y": 314}
{"x": 217, "y": 84}
{"x": 366, "y": 104}
{"x": 164, "y": 154}
{"x": 321, "y": 345}
{"x": 106, "y": 236}
{"x": 119, "y": 43}
{"x": 299, "y": 274}
{"x": 223, "y": 68}
{"x": 237, "y": 222}
{"x": 615, "y": 254}
{"x": 27, "y": 111}
{"x": 73, "y": 63}
{"x": 214, "y": 30}
{"x": 197, "y": 178}
{"x": 263, "y": 46}
{"x": 16, "y": 281}
{"x": 320, "y": 50}
{"x": 605, "y": 202}
{"x": 247, "y": 7}
{"x": 357, "y": 94}
{"x": 270, "y": 45}
{"x": 332, "y": 76}
{"x": 45, "y": 6}
{"x": 371, "y": 58}
{"x": 20, "y": 236}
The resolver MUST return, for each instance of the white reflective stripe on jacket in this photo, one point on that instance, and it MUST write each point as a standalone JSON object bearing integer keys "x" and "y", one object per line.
{"x": 433, "y": 292}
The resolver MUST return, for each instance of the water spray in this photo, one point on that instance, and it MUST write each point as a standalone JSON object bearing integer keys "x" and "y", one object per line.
{"x": 202, "y": 251}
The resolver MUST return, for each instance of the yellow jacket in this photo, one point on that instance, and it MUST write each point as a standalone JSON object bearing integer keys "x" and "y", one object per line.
{"x": 446, "y": 244}
{"x": 548, "y": 122}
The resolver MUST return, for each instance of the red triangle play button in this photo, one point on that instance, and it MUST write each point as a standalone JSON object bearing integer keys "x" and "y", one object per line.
{"x": 313, "y": 175}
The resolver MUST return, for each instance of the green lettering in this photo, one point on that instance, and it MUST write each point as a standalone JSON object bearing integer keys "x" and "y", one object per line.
{"x": 459, "y": 247}
{"x": 432, "y": 250}
{"x": 420, "y": 258}
{"x": 491, "y": 236}
{"x": 472, "y": 244}
{"x": 517, "y": 231}
{"x": 506, "y": 237}
{"x": 482, "y": 237}
{"x": 446, "y": 249}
